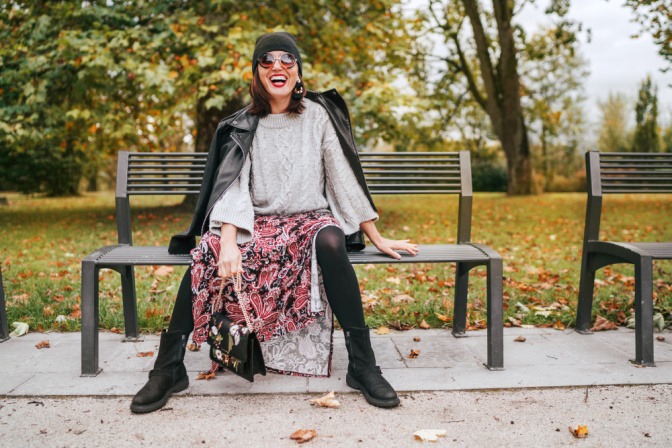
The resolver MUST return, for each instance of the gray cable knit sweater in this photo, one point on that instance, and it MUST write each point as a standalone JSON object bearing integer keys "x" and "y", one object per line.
{"x": 296, "y": 165}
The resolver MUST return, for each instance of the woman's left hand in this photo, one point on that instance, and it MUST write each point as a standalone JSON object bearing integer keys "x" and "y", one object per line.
{"x": 390, "y": 247}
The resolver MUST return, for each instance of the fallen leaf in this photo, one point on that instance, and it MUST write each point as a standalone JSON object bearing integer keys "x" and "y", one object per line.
{"x": 660, "y": 338}
{"x": 193, "y": 347}
{"x": 162, "y": 271}
{"x": 116, "y": 330}
{"x": 559, "y": 325}
{"x": 658, "y": 321}
{"x": 327, "y": 401}
{"x": 602, "y": 324}
{"x": 515, "y": 322}
{"x": 400, "y": 327}
{"x": 580, "y": 431}
{"x": 402, "y": 298}
{"x": 520, "y": 339}
{"x": 20, "y": 329}
{"x": 43, "y": 344}
{"x": 206, "y": 376}
{"x": 368, "y": 267}
{"x": 443, "y": 317}
{"x": 144, "y": 354}
{"x": 395, "y": 280}
{"x": 523, "y": 308}
{"x": 414, "y": 353}
{"x": 303, "y": 435}
{"x": 417, "y": 338}
{"x": 431, "y": 435}
{"x": 382, "y": 330}
{"x": 424, "y": 325}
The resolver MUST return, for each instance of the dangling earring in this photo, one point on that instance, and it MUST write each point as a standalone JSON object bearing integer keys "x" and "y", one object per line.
{"x": 297, "y": 93}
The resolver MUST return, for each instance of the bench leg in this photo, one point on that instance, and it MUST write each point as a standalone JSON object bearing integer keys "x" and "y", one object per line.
{"x": 495, "y": 282}
{"x": 130, "y": 304}
{"x": 90, "y": 319}
{"x": 461, "y": 296}
{"x": 644, "y": 312}
{"x": 4, "y": 326}
{"x": 586, "y": 290}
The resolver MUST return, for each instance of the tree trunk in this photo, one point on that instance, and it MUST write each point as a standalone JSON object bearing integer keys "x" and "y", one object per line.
{"x": 207, "y": 120}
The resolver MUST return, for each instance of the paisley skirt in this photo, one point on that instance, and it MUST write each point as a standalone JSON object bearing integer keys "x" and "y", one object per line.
{"x": 278, "y": 263}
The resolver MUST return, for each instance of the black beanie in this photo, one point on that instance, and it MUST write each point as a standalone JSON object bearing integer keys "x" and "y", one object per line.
{"x": 278, "y": 41}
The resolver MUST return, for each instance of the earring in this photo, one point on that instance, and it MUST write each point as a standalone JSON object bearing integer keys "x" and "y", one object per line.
{"x": 297, "y": 93}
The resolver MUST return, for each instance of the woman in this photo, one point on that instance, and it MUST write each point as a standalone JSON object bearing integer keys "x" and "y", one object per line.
{"x": 281, "y": 189}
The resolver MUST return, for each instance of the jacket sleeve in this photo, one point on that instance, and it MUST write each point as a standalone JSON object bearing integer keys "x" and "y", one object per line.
{"x": 235, "y": 207}
{"x": 347, "y": 200}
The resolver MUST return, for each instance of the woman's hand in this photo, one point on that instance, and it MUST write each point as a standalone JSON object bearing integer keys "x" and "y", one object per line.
{"x": 386, "y": 246}
{"x": 390, "y": 247}
{"x": 230, "y": 260}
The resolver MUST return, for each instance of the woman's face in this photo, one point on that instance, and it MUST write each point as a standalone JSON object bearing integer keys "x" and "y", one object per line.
{"x": 278, "y": 80}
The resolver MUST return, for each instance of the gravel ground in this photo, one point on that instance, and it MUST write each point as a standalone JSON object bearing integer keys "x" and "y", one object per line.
{"x": 616, "y": 416}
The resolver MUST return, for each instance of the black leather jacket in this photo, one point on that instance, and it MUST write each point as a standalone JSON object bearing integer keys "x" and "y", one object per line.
{"x": 231, "y": 146}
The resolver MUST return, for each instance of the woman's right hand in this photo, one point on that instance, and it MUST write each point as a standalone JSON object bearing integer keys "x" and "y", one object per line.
{"x": 230, "y": 260}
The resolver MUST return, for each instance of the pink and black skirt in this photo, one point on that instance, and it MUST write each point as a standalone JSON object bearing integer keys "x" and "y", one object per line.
{"x": 282, "y": 281}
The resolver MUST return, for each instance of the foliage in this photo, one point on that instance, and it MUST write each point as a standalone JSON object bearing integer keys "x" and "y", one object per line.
{"x": 614, "y": 133}
{"x": 655, "y": 17}
{"x": 646, "y": 137}
{"x": 81, "y": 80}
{"x": 41, "y": 259}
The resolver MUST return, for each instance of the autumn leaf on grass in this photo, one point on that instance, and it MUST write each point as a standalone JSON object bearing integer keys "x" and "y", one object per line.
{"x": 443, "y": 317}
{"x": 520, "y": 339}
{"x": 20, "y": 328}
{"x": 43, "y": 344}
{"x": 303, "y": 435}
{"x": 515, "y": 322}
{"x": 414, "y": 353}
{"x": 144, "y": 354}
{"x": 424, "y": 325}
{"x": 559, "y": 325}
{"x": 162, "y": 271}
{"x": 602, "y": 324}
{"x": 431, "y": 435}
{"x": 206, "y": 376}
{"x": 328, "y": 401}
{"x": 382, "y": 330}
{"x": 579, "y": 431}
{"x": 116, "y": 330}
{"x": 402, "y": 298}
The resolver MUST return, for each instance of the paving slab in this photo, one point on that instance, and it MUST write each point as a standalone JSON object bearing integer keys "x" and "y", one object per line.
{"x": 547, "y": 358}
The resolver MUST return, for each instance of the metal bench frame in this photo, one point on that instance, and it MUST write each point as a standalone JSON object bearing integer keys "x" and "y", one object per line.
{"x": 386, "y": 173}
{"x": 609, "y": 173}
{"x": 4, "y": 328}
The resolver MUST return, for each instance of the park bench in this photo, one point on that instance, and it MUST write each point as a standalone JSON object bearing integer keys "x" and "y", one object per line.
{"x": 4, "y": 328}
{"x": 386, "y": 173}
{"x": 609, "y": 173}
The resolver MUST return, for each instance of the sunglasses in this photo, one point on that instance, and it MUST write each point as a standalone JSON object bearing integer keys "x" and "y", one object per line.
{"x": 286, "y": 59}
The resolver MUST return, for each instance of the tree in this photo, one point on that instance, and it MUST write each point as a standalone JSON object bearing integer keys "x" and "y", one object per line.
{"x": 81, "y": 80}
{"x": 614, "y": 126}
{"x": 485, "y": 56}
{"x": 553, "y": 76}
{"x": 647, "y": 135}
{"x": 655, "y": 17}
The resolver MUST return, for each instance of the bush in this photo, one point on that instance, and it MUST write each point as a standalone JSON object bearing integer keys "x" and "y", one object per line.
{"x": 488, "y": 175}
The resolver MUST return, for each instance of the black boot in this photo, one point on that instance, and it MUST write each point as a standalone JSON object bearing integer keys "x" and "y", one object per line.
{"x": 169, "y": 375}
{"x": 363, "y": 373}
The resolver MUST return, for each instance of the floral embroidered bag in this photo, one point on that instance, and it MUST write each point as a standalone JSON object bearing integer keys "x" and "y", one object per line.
{"x": 235, "y": 347}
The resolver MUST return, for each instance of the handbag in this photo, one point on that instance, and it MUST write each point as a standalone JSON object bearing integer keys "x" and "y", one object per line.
{"x": 235, "y": 347}
{"x": 355, "y": 242}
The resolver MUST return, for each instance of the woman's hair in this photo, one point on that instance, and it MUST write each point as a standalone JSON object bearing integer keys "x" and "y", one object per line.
{"x": 261, "y": 104}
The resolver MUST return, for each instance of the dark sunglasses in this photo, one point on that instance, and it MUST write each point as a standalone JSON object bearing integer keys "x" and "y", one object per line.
{"x": 286, "y": 59}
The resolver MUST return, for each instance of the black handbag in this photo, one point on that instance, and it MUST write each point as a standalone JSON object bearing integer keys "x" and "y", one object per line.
{"x": 235, "y": 347}
{"x": 355, "y": 242}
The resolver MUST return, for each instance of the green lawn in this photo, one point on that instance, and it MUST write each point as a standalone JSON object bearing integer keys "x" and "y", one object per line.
{"x": 43, "y": 241}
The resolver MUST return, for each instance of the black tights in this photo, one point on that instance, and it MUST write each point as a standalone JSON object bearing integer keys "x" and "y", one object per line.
{"x": 340, "y": 284}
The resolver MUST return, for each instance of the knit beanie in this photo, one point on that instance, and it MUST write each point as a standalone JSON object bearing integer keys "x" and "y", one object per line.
{"x": 278, "y": 41}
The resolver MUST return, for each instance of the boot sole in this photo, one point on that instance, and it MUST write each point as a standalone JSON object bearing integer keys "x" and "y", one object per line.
{"x": 350, "y": 381}
{"x": 144, "y": 408}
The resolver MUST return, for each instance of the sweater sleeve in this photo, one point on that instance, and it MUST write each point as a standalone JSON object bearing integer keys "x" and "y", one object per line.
{"x": 347, "y": 201}
{"x": 235, "y": 207}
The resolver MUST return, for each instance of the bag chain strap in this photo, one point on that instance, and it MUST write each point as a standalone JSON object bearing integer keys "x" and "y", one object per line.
{"x": 237, "y": 288}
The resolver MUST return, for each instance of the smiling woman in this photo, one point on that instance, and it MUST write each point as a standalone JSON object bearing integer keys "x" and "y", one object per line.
{"x": 282, "y": 188}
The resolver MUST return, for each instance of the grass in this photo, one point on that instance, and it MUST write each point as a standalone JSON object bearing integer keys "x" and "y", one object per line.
{"x": 43, "y": 241}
